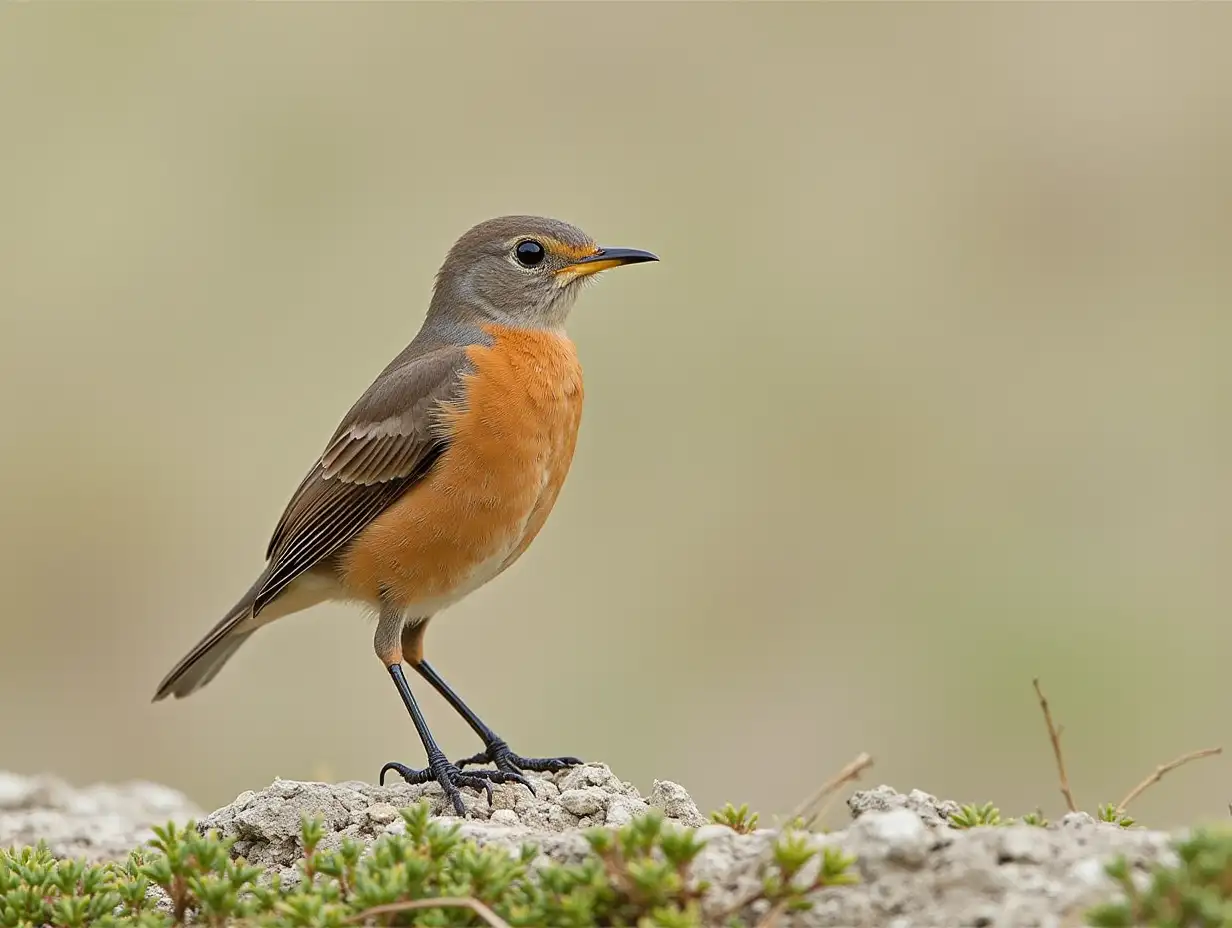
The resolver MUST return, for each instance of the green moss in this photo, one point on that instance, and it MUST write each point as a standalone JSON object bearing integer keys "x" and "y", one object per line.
{"x": 639, "y": 875}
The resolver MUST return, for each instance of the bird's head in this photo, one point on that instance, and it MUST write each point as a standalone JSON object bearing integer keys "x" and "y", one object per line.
{"x": 523, "y": 271}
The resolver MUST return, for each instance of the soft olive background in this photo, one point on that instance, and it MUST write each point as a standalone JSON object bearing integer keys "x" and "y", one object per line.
{"x": 929, "y": 394}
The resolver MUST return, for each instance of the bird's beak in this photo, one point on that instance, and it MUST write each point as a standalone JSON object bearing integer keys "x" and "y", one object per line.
{"x": 605, "y": 258}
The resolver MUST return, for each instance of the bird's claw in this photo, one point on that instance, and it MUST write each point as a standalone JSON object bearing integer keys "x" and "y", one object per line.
{"x": 499, "y": 756}
{"x": 452, "y": 779}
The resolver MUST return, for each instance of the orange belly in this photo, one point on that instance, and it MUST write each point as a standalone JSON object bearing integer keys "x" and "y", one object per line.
{"x": 475, "y": 513}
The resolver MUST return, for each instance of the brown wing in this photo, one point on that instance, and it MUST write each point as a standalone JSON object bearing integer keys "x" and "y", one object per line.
{"x": 387, "y": 442}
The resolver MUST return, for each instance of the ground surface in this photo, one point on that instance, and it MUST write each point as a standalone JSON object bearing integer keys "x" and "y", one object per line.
{"x": 97, "y": 822}
{"x": 914, "y": 868}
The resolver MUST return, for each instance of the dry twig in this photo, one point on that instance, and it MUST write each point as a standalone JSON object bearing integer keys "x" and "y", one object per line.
{"x": 818, "y": 801}
{"x": 1054, "y": 735}
{"x": 1161, "y": 770}
{"x": 445, "y": 902}
{"x": 771, "y": 918}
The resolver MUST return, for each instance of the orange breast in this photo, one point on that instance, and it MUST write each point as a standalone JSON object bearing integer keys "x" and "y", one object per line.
{"x": 513, "y": 438}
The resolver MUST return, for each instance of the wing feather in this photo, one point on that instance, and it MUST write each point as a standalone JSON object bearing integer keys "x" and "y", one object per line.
{"x": 386, "y": 443}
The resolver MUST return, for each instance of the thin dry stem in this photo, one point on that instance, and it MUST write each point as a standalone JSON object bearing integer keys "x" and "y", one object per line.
{"x": 445, "y": 902}
{"x": 1161, "y": 770}
{"x": 771, "y": 918}
{"x": 1054, "y": 735}
{"x": 818, "y": 802}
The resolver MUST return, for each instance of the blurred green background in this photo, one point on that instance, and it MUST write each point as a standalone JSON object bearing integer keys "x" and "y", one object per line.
{"x": 928, "y": 396}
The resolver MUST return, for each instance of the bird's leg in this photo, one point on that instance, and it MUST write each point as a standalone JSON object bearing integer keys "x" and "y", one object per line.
{"x": 495, "y": 750}
{"x": 439, "y": 769}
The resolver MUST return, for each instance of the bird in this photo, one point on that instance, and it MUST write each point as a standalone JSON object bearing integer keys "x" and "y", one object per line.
{"x": 439, "y": 477}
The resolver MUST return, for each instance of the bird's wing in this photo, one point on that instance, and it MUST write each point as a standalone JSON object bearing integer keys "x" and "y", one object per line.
{"x": 387, "y": 442}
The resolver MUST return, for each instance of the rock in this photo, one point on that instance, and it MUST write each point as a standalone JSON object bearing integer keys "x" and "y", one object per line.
{"x": 1078, "y": 820}
{"x": 898, "y": 835}
{"x": 383, "y": 813}
{"x": 675, "y": 803}
{"x": 504, "y": 817}
{"x": 586, "y": 801}
{"x": 914, "y": 868}
{"x": 101, "y": 822}
{"x": 266, "y": 825}
{"x": 621, "y": 810}
{"x": 931, "y": 810}
{"x": 589, "y": 775}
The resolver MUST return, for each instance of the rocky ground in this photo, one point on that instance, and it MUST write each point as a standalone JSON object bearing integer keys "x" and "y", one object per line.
{"x": 915, "y": 869}
{"x": 101, "y": 822}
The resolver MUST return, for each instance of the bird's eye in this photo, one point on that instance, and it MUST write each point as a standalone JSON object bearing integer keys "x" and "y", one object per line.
{"x": 530, "y": 253}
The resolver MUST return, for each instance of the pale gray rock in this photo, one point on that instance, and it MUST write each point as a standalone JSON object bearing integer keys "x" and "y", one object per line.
{"x": 621, "y": 810}
{"x": 898, "y": 835}
{"x": 585, "y": 801}
{"x": 100, "y": 822}
{"x": 672, "y": 800}
{"x": 930, "y": 809}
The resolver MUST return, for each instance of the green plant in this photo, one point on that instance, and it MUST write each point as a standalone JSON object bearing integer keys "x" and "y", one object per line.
{"x": 1108, "y": 812}
{"x": 639, "y": 875}
{"x": 1196, "y": 893}
{"x": 738, "y": 820}
{"x": 792, "y": 854}
{"x": 971, "y": 816}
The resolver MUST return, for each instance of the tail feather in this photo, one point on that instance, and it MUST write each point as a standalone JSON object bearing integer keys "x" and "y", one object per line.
{"x": 200, "y": 665}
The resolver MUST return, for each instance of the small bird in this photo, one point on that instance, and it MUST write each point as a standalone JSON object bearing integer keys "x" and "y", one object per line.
{"x": 440, "y": 476}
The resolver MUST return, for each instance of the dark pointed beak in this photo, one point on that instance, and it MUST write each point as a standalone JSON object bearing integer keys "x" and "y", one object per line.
{"x": 620, "y": 256}
{"x": 606, "y": 258}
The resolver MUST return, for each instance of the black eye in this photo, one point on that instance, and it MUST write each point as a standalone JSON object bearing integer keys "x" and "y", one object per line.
{"x": 530, "y": 253}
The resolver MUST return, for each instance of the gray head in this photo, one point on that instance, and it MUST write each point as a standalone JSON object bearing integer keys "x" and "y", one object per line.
{"x": 522, "y": 271}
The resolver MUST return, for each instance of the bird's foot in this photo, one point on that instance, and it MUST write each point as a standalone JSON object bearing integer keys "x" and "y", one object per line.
{"x": 497, "y": 754}
{"x": 452, "y": 779}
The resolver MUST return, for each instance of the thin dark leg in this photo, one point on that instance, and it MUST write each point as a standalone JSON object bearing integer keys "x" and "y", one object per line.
{"x": 439, "y": 768}
{"x": 496, "y": 751}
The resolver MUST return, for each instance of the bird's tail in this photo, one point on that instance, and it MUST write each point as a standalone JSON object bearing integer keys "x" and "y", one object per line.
{"x": 200, "y": 665}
